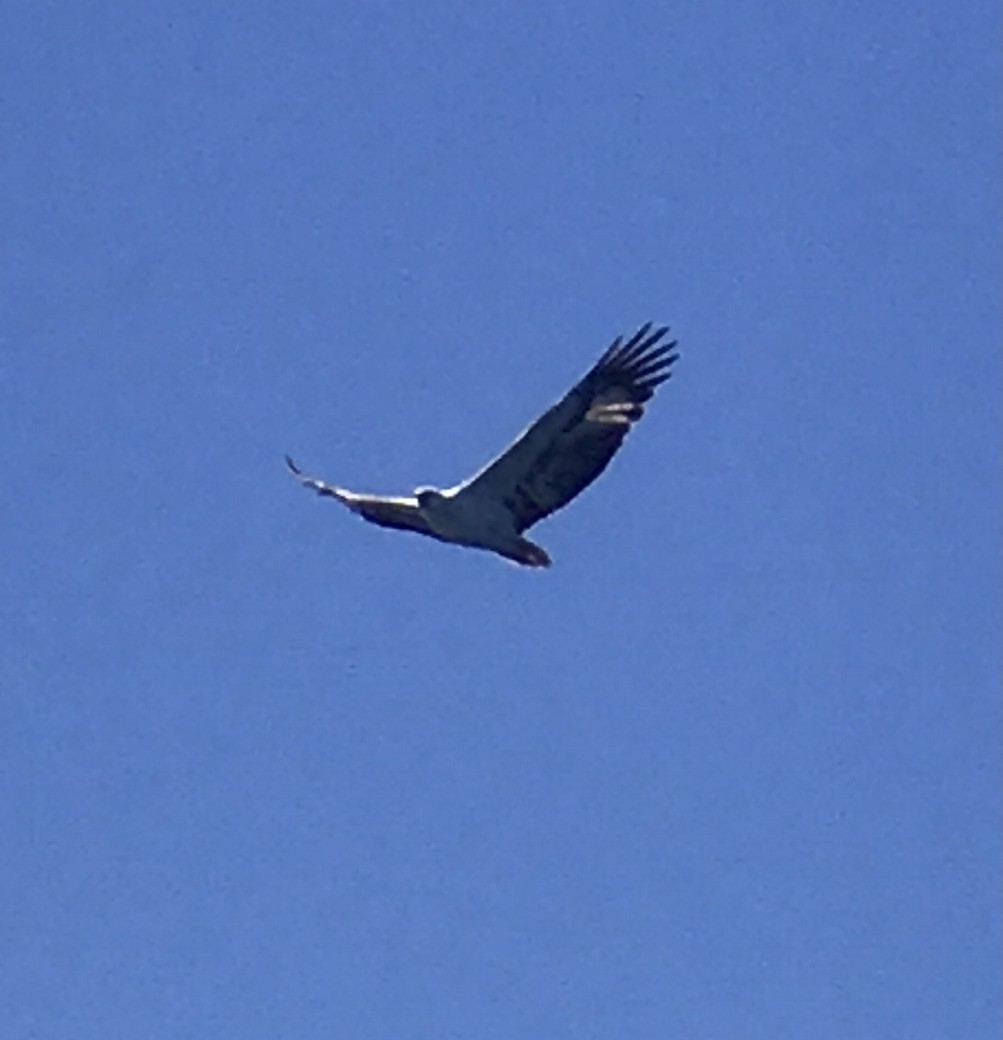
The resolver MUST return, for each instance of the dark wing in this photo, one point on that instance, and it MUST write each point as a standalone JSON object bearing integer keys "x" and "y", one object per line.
{"x": 571, "y": 444}
{"x": 403, "y": 514}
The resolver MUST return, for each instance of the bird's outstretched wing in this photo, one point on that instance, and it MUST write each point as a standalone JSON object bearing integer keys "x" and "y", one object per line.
{"x": 401, "y": 513}
{"x": 571, "y": 444}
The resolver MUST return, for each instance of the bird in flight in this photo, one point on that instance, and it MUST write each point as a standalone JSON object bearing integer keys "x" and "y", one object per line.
{"x": 551, "y": 462}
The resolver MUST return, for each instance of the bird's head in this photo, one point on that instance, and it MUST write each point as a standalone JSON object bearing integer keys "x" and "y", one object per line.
{"x": 428, "y": 498}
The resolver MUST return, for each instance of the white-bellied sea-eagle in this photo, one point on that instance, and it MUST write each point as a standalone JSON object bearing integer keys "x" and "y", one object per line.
{"x": 555, "y": 459}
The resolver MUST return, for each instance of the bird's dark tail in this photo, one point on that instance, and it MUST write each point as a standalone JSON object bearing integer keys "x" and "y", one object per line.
{"x": 531, "y": 555}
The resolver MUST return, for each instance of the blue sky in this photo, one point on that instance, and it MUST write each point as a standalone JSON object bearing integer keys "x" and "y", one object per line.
{"x": 731, "y": 768}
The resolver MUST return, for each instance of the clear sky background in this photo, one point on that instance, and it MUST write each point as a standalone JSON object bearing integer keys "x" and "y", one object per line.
{"x": 731, "y": 768}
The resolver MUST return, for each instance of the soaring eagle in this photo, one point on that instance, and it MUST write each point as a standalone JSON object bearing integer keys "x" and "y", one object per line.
{"x": 551, "y": 462}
